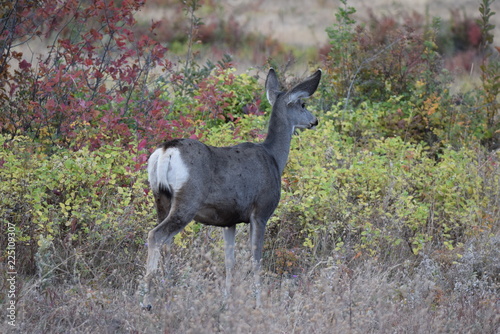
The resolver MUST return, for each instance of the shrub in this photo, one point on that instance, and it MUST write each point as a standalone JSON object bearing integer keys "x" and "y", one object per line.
{"x": 389, "y": 59}
{"x": 72, "y": 200}
{"x": 383, "y": 58}
{"x": 384, "y": 195}
{"x": 490, "y": 78}
{"x": 96, "y": 84}
{"x": 224, "y": 97}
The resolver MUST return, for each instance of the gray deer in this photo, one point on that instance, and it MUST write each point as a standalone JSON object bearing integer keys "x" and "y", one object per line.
{"x": 225, "y": 186}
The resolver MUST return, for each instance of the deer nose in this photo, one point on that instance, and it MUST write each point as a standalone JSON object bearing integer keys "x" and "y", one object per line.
{"x": 314, "y": 123}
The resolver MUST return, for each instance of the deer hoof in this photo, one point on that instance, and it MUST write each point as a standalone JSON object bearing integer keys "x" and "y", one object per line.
{"x": 147, "y": 307}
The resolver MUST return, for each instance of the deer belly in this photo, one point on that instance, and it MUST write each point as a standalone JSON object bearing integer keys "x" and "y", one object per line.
{"x": 219, "y": 217}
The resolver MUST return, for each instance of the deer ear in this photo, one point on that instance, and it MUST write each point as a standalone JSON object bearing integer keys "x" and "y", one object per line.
{"x": 304, "y": 89}
{"x": 272, "y": 86}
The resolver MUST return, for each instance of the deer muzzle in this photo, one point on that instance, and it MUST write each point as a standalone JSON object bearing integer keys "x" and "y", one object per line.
{"x": 313, "y": 124}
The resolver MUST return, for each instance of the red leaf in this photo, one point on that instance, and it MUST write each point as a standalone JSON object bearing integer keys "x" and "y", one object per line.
{"x": 194, "y": 136}
{"x": 142, "y": 144}
{"x": 24, "y": 65}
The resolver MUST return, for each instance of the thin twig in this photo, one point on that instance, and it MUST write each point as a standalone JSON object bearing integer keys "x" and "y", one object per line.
{"x": 360, "y": 67}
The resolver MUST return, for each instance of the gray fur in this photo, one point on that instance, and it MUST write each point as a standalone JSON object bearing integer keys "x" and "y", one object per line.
{"x": 225, "y": 186}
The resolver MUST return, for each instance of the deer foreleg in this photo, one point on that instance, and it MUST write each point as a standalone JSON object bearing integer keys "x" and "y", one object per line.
{"x": 229, "y": 237}
{"x": 257, "y": 241}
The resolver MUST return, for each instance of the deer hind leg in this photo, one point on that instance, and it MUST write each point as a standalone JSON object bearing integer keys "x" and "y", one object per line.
{"x": 163, "y": 206}
{"x": 229, "y": 237}
{"x": 176, "y": 220}
{"x": 163, "y": 201}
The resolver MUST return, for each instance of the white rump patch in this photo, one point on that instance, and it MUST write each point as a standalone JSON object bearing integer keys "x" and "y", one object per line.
{"x": 167, "y": 169}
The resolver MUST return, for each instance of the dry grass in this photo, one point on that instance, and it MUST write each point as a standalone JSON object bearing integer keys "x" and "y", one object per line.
{"x": 434, "y": 294}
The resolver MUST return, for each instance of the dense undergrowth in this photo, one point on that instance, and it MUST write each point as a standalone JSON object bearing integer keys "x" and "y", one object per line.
{"x": 389, "y": 219}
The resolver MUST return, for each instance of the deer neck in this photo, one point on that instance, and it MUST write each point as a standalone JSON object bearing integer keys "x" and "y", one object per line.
{"x": 279, "y": 137}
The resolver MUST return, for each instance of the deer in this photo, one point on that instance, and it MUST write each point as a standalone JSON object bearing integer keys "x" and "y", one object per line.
{"x": 226, "y": 186}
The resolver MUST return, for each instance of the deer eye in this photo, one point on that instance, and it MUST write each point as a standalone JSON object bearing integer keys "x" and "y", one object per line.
{"x": 303, "y": 105}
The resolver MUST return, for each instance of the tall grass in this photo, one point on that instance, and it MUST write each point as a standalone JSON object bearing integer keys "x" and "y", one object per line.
{"x": 414, "y": 296}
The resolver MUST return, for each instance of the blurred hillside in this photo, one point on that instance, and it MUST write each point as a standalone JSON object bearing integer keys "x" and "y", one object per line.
{"x": 301, "y": 25}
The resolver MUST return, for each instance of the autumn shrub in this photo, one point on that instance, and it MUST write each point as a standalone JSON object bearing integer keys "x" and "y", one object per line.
{"x": 381, "y": 58}
{"x": 92, "y": 85}
{"x": 388, "y": 59}
{"x": 474, "y": 115}
{"x": 383, "y": 198}
{"x": 221, "y": 97}
{"x": 490, "y": 79}
{"x": 82, "y": 201}
{"x": 98, "y": 83}
{"x": 386, "y": 195}
{"x": 458, "y": 40}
